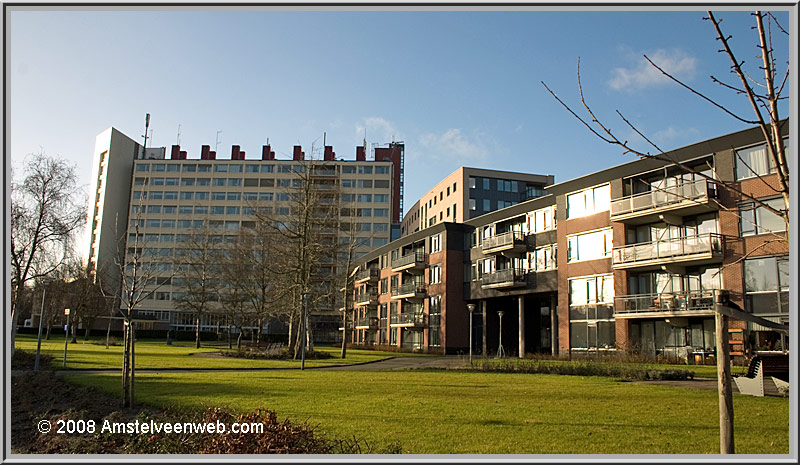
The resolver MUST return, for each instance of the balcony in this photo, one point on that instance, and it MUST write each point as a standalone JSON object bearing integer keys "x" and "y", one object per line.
{"x": 408, "y": 320}
{"x": 324, "y": 172}
{"x": 409, "y": 291}
{"x": 368, "y": 275}
{"x": 508, "y": 278}
{"x": 367, "y": 298}
{"x": 414, "y": 261}
{"x": 689, "y": 250}
{"x": 512, "y": 241}
{"x": 691, "y": 304}
{"x": 369, "y": 322}
{"x": 685, "y": 199}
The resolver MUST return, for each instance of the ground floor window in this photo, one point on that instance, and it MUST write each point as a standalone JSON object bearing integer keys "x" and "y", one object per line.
{"x": 766, "y": 283}
{"x": 678, "y": 338}
{"x": 412, "y": 339}
{"x": 434, "y": 321}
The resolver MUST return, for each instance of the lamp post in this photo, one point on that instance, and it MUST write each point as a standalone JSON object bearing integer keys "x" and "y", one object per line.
{"x": 471, "y": 310}
{"x": 304, "y": 331}
{"x": 500, "y": 352}
{"x": 41, "y": 318}
{"x": 66, "y": 336}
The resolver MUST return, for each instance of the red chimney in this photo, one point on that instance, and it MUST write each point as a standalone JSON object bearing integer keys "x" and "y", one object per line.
{"x": 212, "y": 155}
{"x": 298, "y": 153}
{"x": 265, "y": 152}
{"x": 183, "y": 154}
{"x": 235, "y": 152}
{"x": 241, "y": 155}
{"x": 204, "y": 152}
{"x": 360, "y": 154}
{"x": 176, "y": 152}
{"x": 329, "y": 153}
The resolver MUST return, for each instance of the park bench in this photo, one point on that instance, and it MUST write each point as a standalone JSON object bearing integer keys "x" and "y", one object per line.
{"x": 774, "y": 366}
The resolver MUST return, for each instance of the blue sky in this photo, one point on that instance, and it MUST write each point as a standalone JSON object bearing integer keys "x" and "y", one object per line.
{"x": 459, "y": 88}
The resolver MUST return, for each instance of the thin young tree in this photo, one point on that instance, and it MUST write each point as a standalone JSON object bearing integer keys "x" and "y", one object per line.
{"x": 46, "y": 209}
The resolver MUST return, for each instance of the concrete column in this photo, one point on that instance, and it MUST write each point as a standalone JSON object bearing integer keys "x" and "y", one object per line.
{"x": 553, "y": 325}
{"x": 521, "y": 326}
{"x": 485, "y": 345}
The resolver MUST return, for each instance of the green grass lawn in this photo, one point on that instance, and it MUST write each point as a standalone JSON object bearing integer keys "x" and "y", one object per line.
{"x": 479, "y": 413}
{"x": 156, "y": 354}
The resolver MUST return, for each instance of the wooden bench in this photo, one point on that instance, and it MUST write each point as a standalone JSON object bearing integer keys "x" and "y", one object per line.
{"x": 774, "y": 366}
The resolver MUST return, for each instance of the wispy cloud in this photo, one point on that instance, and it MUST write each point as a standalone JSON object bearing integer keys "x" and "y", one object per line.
{"x": 641, "y": 74}
{"x": 377, "y": 129}
{"x": 452, "y": 143}
{"x": 672, "y": 135}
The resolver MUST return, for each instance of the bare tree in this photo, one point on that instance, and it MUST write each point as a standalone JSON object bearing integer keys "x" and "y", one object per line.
{"x": 45, "y": 212}
{"x": 84, "y": 296}
{"x": 764, "y": 97}
{"x": 198, "y": 275}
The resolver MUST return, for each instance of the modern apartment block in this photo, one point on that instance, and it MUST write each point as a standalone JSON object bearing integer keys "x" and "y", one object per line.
{"x": 643, "y": 248}
{"x": 470, "y": 192}
{"x": 165, "y": 199}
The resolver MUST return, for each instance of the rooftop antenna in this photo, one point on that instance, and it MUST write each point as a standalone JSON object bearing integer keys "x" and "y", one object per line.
{"x": 178, "y": 142}
{"x": 216, "y": 141}
{"x": 146, "y": 128}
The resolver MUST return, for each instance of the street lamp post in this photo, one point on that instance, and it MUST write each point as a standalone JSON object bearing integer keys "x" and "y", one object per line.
{"x": 500, "y": 352}
{"x": 471, "y": 310}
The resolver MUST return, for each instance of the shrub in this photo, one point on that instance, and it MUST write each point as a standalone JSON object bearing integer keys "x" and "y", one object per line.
{"x": 624, "y": 370}
{"x": 281, "y": 353}
{"x": 23, "y": 360}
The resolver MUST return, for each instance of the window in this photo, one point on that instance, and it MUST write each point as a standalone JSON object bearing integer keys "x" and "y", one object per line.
{"x": 472, "y": 204}
{"x": 171, "y": 181}
{"x": 220, "y": 168}
{"x": 591, "y": 312}
{"x": 543, "y": 258}
{"x": 379, "y": 241}
{"x": 365, "y": 184}
{"x": 232, "y": 210}
{"x": 472, "y": 182}
{"x": 365, "y": 197}
{"x": 158, "y": 167}
{"x": 348, "y": 183}
{"x": 184, "y": 224}
{"x": 173, "y": 168}
{"x": 766, "y": 282}
{"x": 434, "y": 320}
{"x": 267, "y": 168}
{"x": 381, "y": 184}
{"x": 153, "y": 223}
{"x": 381, "y": 170}
{"x": 251, "y": 196}
{"x": 201, "y": 210}
{"x": 235, "y": 182}
{"x": 201, "y": 195}
{"x": 384, "y": 286}
{"x": 381, "y": 198}
{"x": 486, "y": 184}
{"x": 487, "y": 205}
{"x": 170, "y": 209}
{"x": 189, "y": 168}
{"x": 381, "y": 212}
{"x": 251, "y": 169}
{"x": 187, "y": 195}
{"x": 268, "y": 196}
{"x": 154, "y": 209}
{"x": 203, "y": 168}
{"x": 234, "y": 196}
{"x": 589, "y": 246}
{"x": 283, "y": 197}
{"x": 219, "y": 182}
{"x": 756, "y": 219}
{"x": 155, "y": 195}
{"x": 589, "y": 201}
{"x": 266, "y": 182}
{"x": 185, "y": 209}
{"x": 217, "y": 210}
{"x": 140, "y": 167}
{"x": 542, "y": 220}
{"x": 436, "y": 243}
{"x": 203, "y": 181}
{"x": 284, "y": 182}
{"x": 187, "y": 181}
{"x": 364, "y": 169}
{"x": 157, "y": 181}
{"x": 435, "y": 274}
{"x": 756, "y": 161}
{"x": 251, "y": 182}
{"x": 380, "y": 227}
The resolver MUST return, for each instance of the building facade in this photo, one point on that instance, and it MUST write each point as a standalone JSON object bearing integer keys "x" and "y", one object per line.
{"x": 151, "y": 201}
{"x": 470, "y": 192}
{"x": 643, "y": 246}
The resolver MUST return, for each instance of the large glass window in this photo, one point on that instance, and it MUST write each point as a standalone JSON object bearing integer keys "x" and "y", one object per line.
{"x": 589, "y": 201}
{"x": 756, "y": 219}
{"x": 753, "y": 161}
{"x": 434, "y": 321}
{"x": 591, "y": 312}
{"x": 589, "y": 246}
{"x": 766, "y": 282}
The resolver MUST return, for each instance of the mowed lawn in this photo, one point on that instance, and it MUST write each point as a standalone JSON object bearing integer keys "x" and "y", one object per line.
{"x": 479, "y": 413}
{"x": 151, "y": 354}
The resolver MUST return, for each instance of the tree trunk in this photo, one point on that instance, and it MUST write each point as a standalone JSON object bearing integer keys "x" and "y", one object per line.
{"x": 133, "y": 362}
{"x": 86, "y": 334}
{"x": 197, "y": 332}
{"x": 108, "y": 333}
{"x": 125, "y": 365}
{"x": 239, "y": 340}
{"x": 344, "y": 331}
{"x": 49, "y": 327}
{"x": 74, "y": 330}
{"x": 228, "y": 324}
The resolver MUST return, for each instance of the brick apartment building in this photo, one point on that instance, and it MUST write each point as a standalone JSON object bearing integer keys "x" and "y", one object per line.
{"x": 643, "y": 245}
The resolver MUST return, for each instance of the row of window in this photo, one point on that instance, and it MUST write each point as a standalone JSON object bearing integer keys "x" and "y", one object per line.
{"x": 254, "y": 182}
{"x": 502, "y": 185}
{"x": 486, "y": 204}
{"x": 248, "y": 196}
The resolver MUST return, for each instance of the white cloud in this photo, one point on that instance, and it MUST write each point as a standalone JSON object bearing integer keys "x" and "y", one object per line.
{"x": 672, "y": 135}
{"x": 452, "y": 143}
{"x": 642, "y": 74}
{"x": 378, "y": 130}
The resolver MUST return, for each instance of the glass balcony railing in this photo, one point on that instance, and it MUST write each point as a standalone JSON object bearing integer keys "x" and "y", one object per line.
{"x": 686, "y": 194}
{"x": 503, "y": 241}
{"x": 415, "y": 259}
{"x": 368, "y": 322}
{"x": 370, "y": 274}
{"x": 504, "y": 278}
{"x": 692, "y": 301}
{"x": 408, "y": 290}
{"x": 407, "y": 319}
{"x": 701, "y": 246}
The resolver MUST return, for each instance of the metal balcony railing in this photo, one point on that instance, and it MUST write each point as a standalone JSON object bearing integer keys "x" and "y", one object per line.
{"x": 504, "y": 278}
{"x": 366, "y": 298}
{"x": 370, "y": 274}
{"x": 407, "y": 319}
{"x": 709, "y": 245}
{"x": 503, "y": 241}
{"x": 369, "y": 322}
{"x": 408, "y": 289}
{"x": 665, "y": 302}
{"x": 412, "y": 259}
{"x": 691, "y": 193}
